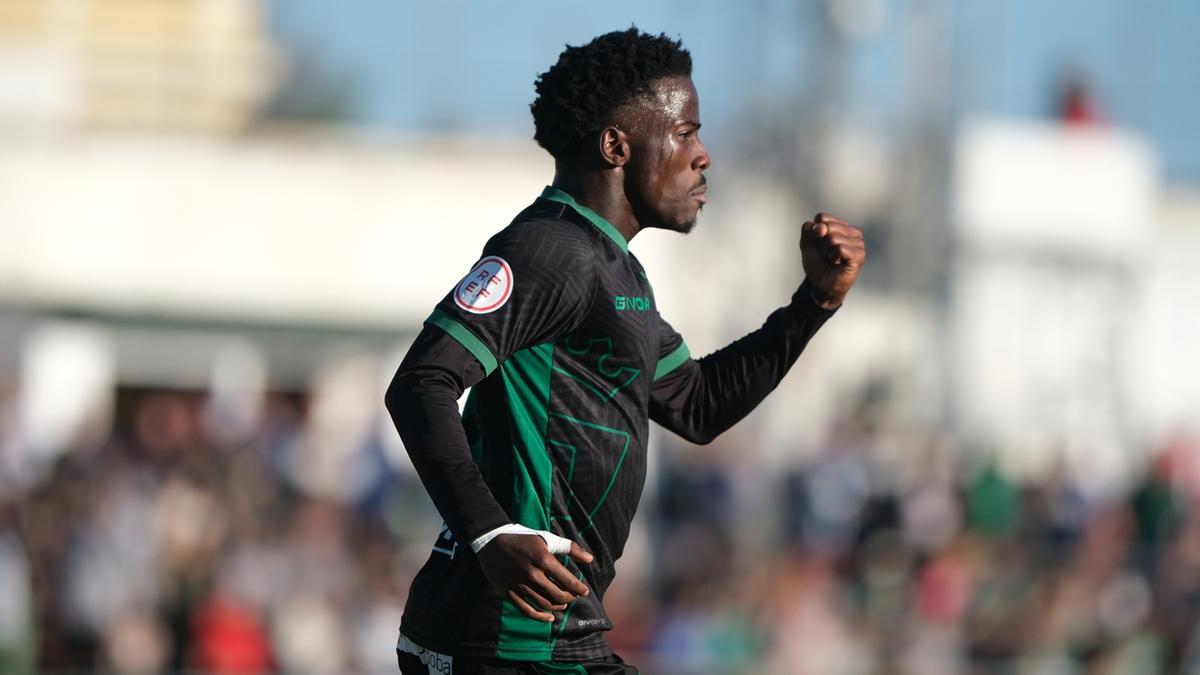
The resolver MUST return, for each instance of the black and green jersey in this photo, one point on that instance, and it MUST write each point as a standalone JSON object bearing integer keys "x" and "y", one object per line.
{"x": 557, "y": 332}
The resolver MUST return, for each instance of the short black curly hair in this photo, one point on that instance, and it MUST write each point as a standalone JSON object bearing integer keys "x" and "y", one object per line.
{"x": 579, "y": 93}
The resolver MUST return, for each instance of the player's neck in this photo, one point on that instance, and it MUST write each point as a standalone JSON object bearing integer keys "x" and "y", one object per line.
{"x": 602, "y": 193}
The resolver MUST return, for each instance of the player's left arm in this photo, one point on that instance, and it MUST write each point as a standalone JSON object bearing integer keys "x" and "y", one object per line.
{"x": 699, "y": 399}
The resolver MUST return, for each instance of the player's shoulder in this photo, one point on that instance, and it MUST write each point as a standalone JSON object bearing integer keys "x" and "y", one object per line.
{"x": 545, "y": 233}
{"x": 545, "y": 218}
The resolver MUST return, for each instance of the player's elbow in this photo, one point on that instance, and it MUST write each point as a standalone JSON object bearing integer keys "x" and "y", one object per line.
{"x": 399, "y": 395}
{"x": 699, "y": 435}
{"x": 415, "y": 395}
{"x": 691, "y": 426}
{"x": 405, "y": 406}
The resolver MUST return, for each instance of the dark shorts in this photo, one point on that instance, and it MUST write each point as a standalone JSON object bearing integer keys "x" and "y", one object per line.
{"x": 416, "y": 660}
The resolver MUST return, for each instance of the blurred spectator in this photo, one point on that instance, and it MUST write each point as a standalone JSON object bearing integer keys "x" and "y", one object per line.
{"x": 1076, "y": 104}
{"x": 176, "y": 546}
{"x": 229, "y": 637}
{"x": 16, "y": 611}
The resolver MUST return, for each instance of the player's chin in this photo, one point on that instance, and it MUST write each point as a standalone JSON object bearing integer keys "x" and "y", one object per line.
{"x": 686, "y": 221}
{"x": 682, "y": 218}
{"x": 686, "y": 227}
{"x": 682, "y": 226}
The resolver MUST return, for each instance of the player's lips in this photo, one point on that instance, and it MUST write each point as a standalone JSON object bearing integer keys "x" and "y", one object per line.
{"x": 700, "y": 194}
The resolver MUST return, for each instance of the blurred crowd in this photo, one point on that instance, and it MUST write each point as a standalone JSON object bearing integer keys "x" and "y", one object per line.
{"x": 937, "y": 564}
{"x": 172, "y": 545}
{"x": 171, "y": 548}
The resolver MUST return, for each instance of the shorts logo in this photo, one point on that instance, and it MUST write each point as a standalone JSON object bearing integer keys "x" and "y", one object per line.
{"x": 445, "y": 543}
{"x": 486, "y": 288}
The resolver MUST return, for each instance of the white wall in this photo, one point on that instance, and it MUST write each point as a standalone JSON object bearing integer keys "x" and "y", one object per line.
{"x": 342, "y": 231}
{"x": 1072, "y": 319}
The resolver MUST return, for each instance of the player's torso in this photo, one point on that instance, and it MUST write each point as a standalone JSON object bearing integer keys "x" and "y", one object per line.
{"x": 559, "y": 431}
{"x": 596, "y": 426}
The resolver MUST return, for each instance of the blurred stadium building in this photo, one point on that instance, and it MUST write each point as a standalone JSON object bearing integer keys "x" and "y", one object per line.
{"x": 201, "y": 304}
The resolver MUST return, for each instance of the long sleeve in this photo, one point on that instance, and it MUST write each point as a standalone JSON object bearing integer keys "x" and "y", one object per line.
{"x": 423, "y": 402}
{"x": 534, "y": 282}
{"x": 700, "y": 399}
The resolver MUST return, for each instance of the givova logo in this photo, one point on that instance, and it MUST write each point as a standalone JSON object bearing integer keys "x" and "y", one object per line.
{"x": 632, "y": 302}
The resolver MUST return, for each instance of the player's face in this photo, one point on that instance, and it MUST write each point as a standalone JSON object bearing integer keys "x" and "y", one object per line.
{"x": 664, "y": 179}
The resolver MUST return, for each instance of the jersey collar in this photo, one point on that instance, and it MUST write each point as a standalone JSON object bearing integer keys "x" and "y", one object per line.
{"x": 555, "y": 195}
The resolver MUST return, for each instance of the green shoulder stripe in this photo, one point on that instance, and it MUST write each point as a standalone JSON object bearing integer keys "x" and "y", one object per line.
{"x": 464, "y": 337}
{"x": 671, "y": 361}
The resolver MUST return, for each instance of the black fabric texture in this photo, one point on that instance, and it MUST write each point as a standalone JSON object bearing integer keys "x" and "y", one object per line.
{"x": 702, "y": 398}
{"x": 585, "y": 306}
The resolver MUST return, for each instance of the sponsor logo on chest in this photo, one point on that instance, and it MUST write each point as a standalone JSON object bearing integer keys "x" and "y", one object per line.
{"x": 632, "y": 303}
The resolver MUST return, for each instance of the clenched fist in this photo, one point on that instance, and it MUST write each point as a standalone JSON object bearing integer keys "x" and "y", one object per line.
{"x": 833, "y": 254}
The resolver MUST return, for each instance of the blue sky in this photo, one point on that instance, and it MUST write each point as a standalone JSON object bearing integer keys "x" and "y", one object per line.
{"x": 455, "y": 65}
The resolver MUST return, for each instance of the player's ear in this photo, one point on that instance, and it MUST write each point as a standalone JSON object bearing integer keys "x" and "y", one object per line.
{"x": 614, "y": 146}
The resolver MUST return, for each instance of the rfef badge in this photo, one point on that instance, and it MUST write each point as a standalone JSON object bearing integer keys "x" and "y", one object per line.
{"x": 486, "y": 287}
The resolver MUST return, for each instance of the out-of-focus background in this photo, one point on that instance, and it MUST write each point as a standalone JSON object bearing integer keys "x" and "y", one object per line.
{"x": 221, "y": 222}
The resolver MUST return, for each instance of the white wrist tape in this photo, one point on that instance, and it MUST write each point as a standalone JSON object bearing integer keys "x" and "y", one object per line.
{"x": 557, "y": 545}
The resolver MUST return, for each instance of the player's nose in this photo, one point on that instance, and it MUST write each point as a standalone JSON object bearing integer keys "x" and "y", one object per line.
{"x": 701, "y": 162}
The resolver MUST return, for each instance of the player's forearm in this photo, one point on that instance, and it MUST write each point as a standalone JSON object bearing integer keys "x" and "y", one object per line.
{"x": 705, "y": 397}
{"x": 423, "y": 403}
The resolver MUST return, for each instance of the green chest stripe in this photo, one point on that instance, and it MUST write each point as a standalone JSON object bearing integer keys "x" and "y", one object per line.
{"x": 526, "y": 377}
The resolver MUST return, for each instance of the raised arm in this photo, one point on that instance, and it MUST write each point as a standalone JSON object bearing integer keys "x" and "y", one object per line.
{"x": 700, "y": 399}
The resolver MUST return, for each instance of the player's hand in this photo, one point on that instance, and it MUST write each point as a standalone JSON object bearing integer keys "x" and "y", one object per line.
{"x": 833, "y": 254}
{"x": 522, "y": 568}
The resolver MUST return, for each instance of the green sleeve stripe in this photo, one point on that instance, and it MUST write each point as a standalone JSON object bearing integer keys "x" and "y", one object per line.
{"x": 465, "y": 337}
{"x": 671, "y": 361}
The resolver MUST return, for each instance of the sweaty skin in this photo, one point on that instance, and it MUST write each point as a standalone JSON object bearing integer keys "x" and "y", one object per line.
{"x": 644, "y": 170}
{"x": 665, "y": 180}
